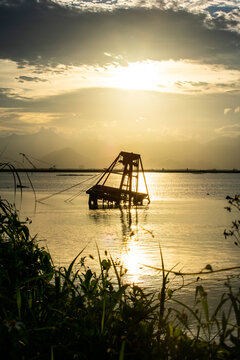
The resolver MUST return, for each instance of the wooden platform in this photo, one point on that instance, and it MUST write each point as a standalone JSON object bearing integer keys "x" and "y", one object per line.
{"x": 114, "y": 195}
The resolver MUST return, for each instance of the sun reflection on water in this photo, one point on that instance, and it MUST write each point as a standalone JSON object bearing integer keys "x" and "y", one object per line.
{"x": 133, "y": 254}
{"x": 132, "y": 259}
{"x": 154, "y": 187}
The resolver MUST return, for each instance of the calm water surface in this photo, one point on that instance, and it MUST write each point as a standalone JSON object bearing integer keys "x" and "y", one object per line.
{"x": 186, "y": 217}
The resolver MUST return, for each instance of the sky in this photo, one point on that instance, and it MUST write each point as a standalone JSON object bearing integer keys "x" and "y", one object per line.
{"x": 123, "y": 75}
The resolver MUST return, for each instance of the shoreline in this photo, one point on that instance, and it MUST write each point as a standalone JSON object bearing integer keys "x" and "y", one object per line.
{"x": 190, "y": 171}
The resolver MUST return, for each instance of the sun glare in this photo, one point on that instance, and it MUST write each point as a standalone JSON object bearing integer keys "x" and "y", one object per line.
{"x": 160, "y": 76}
{"x": 132, "y": 258}
{"x": 137, "y": 76}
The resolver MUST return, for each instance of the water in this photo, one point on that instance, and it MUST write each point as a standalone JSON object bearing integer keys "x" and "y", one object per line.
{"x": 186, "y": 217}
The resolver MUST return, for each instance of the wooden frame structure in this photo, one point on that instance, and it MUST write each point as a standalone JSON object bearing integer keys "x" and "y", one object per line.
{"x": 127, "y": 192}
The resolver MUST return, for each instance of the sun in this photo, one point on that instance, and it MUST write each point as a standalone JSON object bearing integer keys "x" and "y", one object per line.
{"x": 136, "y": 76}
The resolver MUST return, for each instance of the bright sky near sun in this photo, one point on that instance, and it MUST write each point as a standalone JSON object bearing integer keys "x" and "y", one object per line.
{"x": 166, "y": 68}
{"x": 161, "y": 76}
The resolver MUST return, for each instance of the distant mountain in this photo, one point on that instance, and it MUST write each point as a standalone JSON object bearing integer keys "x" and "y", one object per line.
{"x": 36, "y": 145}
{"x": 46, "y": 148}
{"x": 53, "y": 148}
{"x": 65, "y": 158}
{"x": 220, "y": 153}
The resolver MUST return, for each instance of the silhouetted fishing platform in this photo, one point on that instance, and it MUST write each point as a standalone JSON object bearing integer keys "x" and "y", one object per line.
{"x": 127, "y": 190}
{"x": 111, "y": 194}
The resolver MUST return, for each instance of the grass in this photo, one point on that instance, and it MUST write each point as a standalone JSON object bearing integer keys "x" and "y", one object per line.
{"x": 75, "y": 313}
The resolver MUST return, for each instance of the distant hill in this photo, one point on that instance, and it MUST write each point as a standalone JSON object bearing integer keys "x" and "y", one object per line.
{"x": 65, "y": 158}
{"x": 220, "y": 153}
{"x": 81, "y": 152}
{"x": 36, "y": 145}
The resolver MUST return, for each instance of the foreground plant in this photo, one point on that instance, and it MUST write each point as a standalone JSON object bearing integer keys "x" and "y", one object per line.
{"x": 234, "y": 232}
{"x": 64, "y": 313}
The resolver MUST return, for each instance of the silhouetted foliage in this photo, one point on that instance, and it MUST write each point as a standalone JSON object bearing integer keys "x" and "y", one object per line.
{"x": 64, "y": 313}
{"x": 234, "y": 231}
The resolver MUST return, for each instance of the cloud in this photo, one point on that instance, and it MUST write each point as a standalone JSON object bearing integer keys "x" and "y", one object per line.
{"x": 228, "y": 17}
{"x": 8, "y": 98}
{"x": 227, "y": 110}
{"x": 19, "y": 121}
{"x": 93, "y": 112}
{"x": 229, "y": 130}
{"x": 29, "y": 78}
{"x": 10, "y": 122}
{"x": 45, "y": 33}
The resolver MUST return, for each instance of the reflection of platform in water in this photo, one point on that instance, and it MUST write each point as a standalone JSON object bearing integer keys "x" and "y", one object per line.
{"x": 127, "y": 191}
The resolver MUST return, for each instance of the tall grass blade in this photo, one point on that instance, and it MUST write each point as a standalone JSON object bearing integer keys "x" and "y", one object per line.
{"x": 103, "y": 288}
{"x": 116, "y": 272}
{"x": 121, "y": 354}
{"x": 19, "y": 302}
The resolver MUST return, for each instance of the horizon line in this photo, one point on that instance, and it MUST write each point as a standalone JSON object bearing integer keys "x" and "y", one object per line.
{"x": 162, "y": 170}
